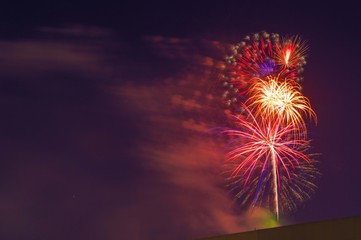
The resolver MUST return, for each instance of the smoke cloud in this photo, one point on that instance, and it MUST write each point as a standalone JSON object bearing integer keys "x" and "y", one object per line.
{"x": 108, "y": 140}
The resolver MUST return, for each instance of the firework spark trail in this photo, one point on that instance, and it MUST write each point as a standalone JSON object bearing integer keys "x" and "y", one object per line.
{"x": 275, "y": 182}
{"x": 269, "y": 137}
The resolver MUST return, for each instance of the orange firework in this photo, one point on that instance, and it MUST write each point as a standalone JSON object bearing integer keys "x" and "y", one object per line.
{"x": 272, "y": 98}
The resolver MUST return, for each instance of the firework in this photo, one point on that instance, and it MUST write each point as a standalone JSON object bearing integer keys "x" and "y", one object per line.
{"x": 266, "y": 157}
{"x": 271, "y": 98}
{"x": 262, "y": 55}
{"x": 269, "y": 160}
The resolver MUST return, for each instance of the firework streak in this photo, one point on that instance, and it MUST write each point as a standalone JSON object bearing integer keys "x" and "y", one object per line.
{"x": 268, "y": 158}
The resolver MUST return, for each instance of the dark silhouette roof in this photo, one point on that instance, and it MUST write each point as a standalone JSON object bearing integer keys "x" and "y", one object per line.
{"x": 337, "y": 229}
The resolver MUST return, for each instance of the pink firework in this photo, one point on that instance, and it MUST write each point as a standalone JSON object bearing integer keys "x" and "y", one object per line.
{"x": 265, "y": 156}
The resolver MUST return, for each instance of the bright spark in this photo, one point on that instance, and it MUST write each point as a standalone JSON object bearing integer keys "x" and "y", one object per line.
{"x": 287, "y": 56}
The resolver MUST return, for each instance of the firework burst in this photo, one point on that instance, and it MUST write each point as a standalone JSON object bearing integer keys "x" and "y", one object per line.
{"x": 291, "y": 53}
{"x": 264, "y": 54}
{"x": 265, "y": 156}
{"x": 271, "y": 98}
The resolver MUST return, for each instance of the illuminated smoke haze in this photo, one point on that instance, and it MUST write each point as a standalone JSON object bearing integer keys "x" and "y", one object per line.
{"x": 118, "y": 139}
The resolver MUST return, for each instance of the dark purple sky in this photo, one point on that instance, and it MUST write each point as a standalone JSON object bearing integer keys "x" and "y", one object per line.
{"x": 104, "y": 110}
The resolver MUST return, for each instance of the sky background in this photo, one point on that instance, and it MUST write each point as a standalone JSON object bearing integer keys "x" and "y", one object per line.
{"x": 106, "y": 112}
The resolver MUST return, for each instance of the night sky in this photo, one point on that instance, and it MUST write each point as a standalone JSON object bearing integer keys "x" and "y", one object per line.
{"x": 106, "y": 112}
